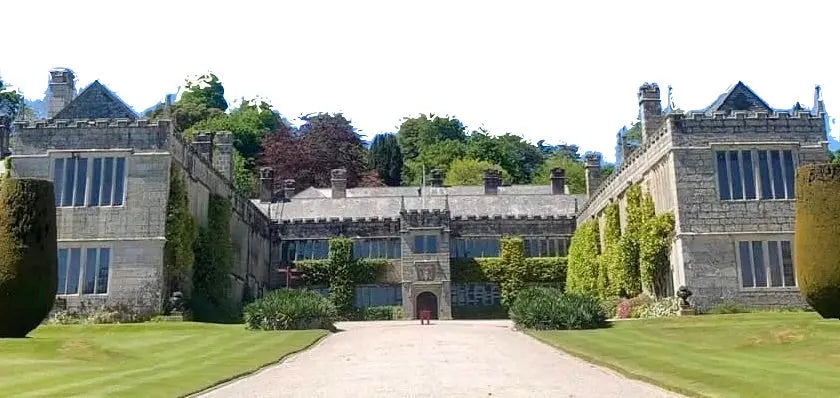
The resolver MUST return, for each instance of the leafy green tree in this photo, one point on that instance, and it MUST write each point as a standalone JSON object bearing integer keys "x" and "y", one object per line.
{"x": 516, "y": 156}
{"x": 11, "y": 101}
{"x": 416, "y": 134}
{"x": 575, "y": 172}
{"x": 438, "y": 155}
{"x": 471, "y": 172}
{"x": 206, "y": 90}
{"x": 386, "y": 159}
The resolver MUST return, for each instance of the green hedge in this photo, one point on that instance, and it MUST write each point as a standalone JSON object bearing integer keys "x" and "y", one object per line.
{"x": 379, "y": 313}
{"x": 512, "y": 272}
{"x": 584, "y": 266}
{"x": 547, "y": 309}
{"x": 817, "y": 227}
{"x": 342, "y": 288}
{"x": 288, "y": 309}
{"x": 28, "y": 252}
{"x": 479, "y": 312}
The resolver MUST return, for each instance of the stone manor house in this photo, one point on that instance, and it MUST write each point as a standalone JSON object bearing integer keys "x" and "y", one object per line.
{"x": 726, "y": 172}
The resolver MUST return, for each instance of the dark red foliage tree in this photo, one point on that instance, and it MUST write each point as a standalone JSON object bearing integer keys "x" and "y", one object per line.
{"x": 323, "y": 143}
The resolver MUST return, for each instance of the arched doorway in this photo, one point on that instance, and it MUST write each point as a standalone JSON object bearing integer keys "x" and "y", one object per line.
{"x": 427, "y": 301}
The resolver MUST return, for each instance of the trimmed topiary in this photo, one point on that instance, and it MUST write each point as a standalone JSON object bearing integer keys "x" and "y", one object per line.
{"x": 817, "y": 227}
{"x": 28, "y": 252}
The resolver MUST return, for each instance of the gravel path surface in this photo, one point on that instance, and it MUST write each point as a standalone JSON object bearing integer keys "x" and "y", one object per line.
{"x": 445, "y": 359}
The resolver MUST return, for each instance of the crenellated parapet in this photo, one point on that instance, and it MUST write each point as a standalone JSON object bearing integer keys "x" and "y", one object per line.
{"x": 36, "y": 137}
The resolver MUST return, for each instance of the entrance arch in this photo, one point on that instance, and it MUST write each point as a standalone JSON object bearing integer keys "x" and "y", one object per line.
{"x": 426, "y": 301}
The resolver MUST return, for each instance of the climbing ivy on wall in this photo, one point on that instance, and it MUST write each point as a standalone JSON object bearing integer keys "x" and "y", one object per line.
{"x": 654, "y": 254}
{"x": 611, "y": 273}
{"x": 317, "y": 272}
{"x": 213, "y": 265}
{"x": 342, "y": 289}
{"x": 181, "y": 234}
{"x": 583, "y": 268}
{"x": 511, "y": 280}
{"x": 629, "y": 243}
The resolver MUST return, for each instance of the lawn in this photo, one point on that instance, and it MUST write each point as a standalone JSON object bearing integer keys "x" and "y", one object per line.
{"x": 144, "y": 360}
{"x": 747, "y": 355}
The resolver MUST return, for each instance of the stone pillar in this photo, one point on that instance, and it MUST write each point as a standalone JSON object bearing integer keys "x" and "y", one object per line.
{"x": 492, "y": 180}
{"x": 288, "y": 189}
{"x": 650, "y": 109}
{"x": 4, "y": 136}
{"x": 266, "y": 185}
{"x": 61, "y": 90}
{"x": 558, "y": 181}
{"x": 436, "y": 178}
{"x": 223, "y": 153}
{"x": 338, "y": 178}
{"x": 202, "y": 145}
{"x": 593, "y": 173}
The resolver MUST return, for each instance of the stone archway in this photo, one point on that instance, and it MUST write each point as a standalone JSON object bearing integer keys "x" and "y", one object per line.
{"x": 426, "y": 301}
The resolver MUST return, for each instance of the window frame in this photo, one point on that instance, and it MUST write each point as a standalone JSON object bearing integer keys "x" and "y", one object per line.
{"x": 379, "y": 247}
{"x": 561, "y": 248}
{"x": 88, "y": 157}
{"x": 425, "y": 237}
{"x": 83, "y": 258}
{"x": 463, "y": 245}
{"x": 755, "y": 150}
{"x": 766, "y": 262}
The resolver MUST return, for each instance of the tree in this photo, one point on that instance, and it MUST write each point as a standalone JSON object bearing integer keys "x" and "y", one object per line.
{"x": 11, "y": 101}
{"x": 575, "y": 172}
{"x": 471, "y": 172}
{"x": 572, "y": 151}
{"x": 438, "y": 155}
{"x": 386, "y": 159}
{"x": 417, "y": 133}
{"x": 324, "y": 142}
{"x": 516, "y": 156}
{"x": 205, "y": 90}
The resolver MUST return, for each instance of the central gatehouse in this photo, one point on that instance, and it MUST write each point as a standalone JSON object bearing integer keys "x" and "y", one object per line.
{"x": 419, "y": 231}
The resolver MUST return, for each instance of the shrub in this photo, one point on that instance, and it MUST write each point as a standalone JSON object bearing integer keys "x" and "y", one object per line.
{"x": 548, "y": 308}
{"x": 610, "y": 305}
{"x": 28, "y": 249}
{"x": 582, "y": 272}
{"x": 100, "y": 315}
{"x": 288, "y": 309}
{"x": 342, "y": 289}
{"x": 664, "y": 307}
{"x": 632, "y": 308}
{"x": 816, "y": 227}
{"x": 479, "y": 312}
{"x": 379, "y": 313}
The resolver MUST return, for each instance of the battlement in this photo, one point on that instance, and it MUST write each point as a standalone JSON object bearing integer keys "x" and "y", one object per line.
{"x": 93, "y": 123}
{"x": 689, "y": 122}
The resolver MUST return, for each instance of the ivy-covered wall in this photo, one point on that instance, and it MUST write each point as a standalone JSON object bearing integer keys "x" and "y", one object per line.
{"x": 181, "y": 234}
{"x": 211, "y": 299}
{"x": 630, "y": 262}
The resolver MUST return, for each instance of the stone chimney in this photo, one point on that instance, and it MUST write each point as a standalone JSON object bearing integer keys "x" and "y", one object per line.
{"x": 558, "y": 181}
{"x": 288, "y": 189}
{"x": 223, "y": 153}
{"x": 62, "y": 90}
{"x": 266, "y": 185}
{"x": 593, "y": 173}
{"x": 436, "y": 178}
{"x": 4, "y": 136}
{"x": 650, "y": 109}
{"x": 492, "y": 181}
{"x": 203, "y": 145}
{"x": 338, "y": 178}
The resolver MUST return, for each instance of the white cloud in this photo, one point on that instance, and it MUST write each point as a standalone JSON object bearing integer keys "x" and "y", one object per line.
{"x": 546, "y": 70}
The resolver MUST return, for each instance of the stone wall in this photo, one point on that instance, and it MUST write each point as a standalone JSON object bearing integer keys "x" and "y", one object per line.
{"x": 135, "y": 231}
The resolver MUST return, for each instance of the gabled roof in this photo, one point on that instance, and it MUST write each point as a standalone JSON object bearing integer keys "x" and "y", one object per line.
{"x": 739, "y": 98}
{"x": 96, "y": 102}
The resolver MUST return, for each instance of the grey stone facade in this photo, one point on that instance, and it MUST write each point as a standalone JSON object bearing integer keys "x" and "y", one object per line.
{"x": 678, "y": 163}
{"x": 133, "y": 228}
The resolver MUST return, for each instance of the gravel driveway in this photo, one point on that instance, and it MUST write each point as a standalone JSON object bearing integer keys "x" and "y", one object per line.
{"x": 445, "y": 359}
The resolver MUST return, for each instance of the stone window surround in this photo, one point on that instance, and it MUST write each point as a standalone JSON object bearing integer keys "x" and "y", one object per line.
{"x": 763, "y": 237}
{"x": 794, "y": 147}
{"x": 82, "y": 262}
{"x": 54, "y": 154}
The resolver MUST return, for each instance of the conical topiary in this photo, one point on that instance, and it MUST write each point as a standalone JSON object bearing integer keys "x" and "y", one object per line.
{"x": 27, "y": 254}
{"x": 816, "y": 243}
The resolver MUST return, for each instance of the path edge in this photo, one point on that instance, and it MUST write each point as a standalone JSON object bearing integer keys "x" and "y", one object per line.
{"x": 611, "y": 368}
{"x": 235, "y": 378}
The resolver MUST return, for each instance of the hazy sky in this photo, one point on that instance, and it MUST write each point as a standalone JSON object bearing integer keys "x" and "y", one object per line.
{"x": 563, "y": 73}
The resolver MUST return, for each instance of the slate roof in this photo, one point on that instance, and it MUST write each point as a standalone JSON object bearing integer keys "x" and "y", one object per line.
{"x": 461, "y": 204}
{"x": 738, "y": 98}
{"x": 463, "y": 190}
{"x": 96, "y": 102}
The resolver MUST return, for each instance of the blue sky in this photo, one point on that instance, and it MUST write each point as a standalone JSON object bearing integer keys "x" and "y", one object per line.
{"x": 544, "y": 70}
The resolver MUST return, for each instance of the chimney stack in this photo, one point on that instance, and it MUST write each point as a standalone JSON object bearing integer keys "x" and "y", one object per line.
{"x": 223, "y": 153}
{"x": 61, "y": 90}
{"x": 436, "y": 178}
{"x": 338, "y": 177}
{"x": 266, "y": 185}
{"x": 203, "y": 145}
{"x": 650, "y": 109}
{"x": 593, "y": 173}
{"x": 558, "y": 181}
{"x": 288, "y": 189}
{"x": 492, "y": 180}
